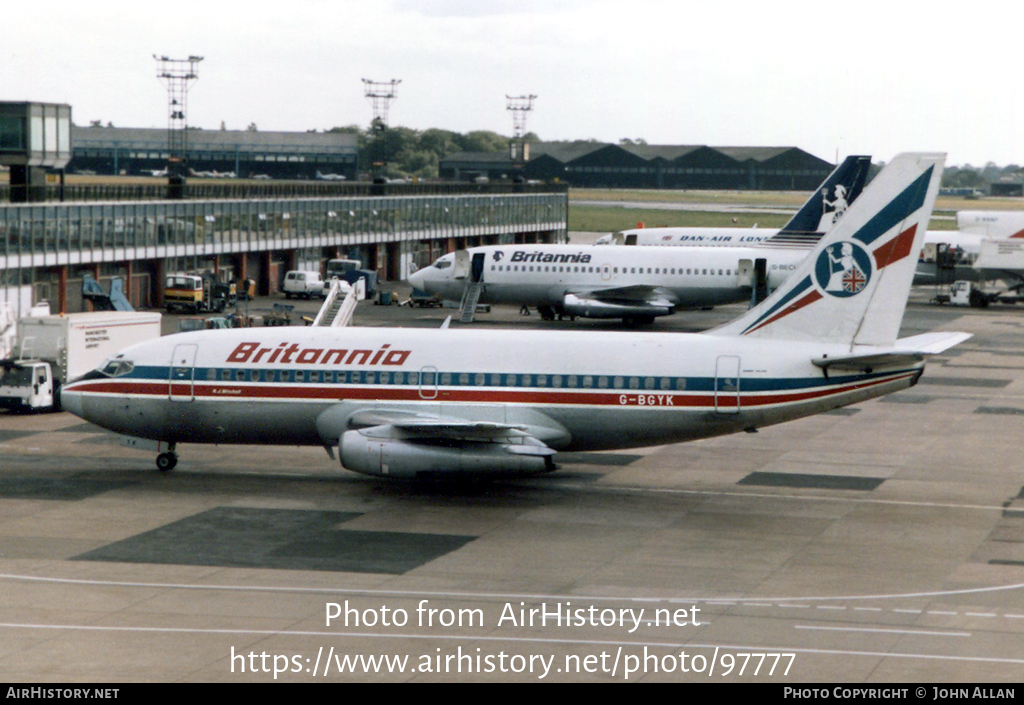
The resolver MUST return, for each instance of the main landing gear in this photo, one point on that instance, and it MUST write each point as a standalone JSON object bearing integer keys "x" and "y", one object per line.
{"x": 166, "y": 461}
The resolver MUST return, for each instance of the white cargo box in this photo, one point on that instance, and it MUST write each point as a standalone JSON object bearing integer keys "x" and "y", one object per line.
{"x": 76, "y": 343}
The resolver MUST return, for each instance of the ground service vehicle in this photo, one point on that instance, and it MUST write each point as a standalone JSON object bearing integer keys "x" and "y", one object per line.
{"x": 195, "y": 293}
{"x": 351, "y": 271}
{"x": 51, "y": 350}
{"x": 305, "y": 284}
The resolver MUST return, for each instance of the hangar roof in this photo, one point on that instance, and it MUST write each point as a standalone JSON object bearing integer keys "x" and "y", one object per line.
{"x": 215, "y": 140}
{"x": 757, "y": 154}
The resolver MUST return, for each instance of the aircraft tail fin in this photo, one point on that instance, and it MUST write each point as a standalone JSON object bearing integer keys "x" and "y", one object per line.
{"x": 825, "y": 206}
{"x": 853, "y": 286}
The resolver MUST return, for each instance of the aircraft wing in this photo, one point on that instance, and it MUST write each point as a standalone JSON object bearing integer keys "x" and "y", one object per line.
{"x": 515, "y": 438}
{"x": 637, "y": 300}
{"x": 635, "y": 295}
{"x": 408, "y": 443}
{"x": 530, "y": 430}
{"x": 907, "y": 351}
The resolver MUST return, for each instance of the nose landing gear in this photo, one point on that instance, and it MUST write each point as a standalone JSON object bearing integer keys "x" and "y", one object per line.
{"x": 167, "y": 460}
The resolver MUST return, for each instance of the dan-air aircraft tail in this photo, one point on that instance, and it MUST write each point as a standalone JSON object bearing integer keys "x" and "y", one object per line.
{"x": 826, "y": 206}
{"x": 817, "y": 215}
{"x": 414, "y": 402}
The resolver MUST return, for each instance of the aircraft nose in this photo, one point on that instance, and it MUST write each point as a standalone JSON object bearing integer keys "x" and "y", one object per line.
{"x": 418, "y": 278}
{"x": 71, "y": 401}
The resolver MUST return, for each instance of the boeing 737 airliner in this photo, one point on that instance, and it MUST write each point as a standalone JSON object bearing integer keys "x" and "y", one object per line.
{"x": 414, "y": 402}
{"x": 638, "y": 284}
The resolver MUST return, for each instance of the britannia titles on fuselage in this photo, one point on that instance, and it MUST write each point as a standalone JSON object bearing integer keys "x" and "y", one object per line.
{"x": 291, "y": 353}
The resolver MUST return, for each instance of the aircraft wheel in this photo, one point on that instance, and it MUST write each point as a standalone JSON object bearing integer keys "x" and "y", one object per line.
{"x": 166, "y": 461}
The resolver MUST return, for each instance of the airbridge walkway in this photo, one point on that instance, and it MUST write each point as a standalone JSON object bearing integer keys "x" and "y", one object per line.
{"x": 46, "y": 249}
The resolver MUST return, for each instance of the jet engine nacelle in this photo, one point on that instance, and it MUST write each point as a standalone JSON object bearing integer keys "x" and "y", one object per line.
{"x": 389, "y": 457}
{"x": 593, "y": 308}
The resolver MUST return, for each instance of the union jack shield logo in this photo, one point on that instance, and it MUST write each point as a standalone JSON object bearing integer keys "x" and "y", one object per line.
{"x": 843, "y": 269}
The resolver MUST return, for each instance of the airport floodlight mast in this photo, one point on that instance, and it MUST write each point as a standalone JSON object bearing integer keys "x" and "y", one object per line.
{"x": 520, "y": 107}
{"x": 380, "y": 95}
{"x": 176, "y": 75}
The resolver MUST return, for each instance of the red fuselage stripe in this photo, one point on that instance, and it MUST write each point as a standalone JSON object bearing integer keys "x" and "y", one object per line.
{"x": 221, "y": 391}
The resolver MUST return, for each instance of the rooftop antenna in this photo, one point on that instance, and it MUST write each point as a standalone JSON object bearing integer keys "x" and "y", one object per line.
{"x": 380, "y": 95}
{"x": 519, "y": 107}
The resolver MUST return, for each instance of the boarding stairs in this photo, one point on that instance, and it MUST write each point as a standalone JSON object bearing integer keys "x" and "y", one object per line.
{"x": 470, "y": 297}
{"x": 340, "y": 304}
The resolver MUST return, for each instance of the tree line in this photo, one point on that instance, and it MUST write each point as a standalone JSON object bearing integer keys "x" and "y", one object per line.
{"x": 418, "y": 153}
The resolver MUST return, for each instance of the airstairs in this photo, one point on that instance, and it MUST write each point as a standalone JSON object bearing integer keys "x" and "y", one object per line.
{"x": 340, "y": 304}
{"x": 469, "y": 300}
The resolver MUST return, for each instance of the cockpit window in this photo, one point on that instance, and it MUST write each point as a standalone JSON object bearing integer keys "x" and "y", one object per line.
{"x": 443, "y": 263}
{"x": 117, "y": 368}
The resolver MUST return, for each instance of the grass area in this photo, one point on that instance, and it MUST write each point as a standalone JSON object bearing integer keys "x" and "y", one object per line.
{"x": 792, "y": 199}
{"x": 600, "y": 219}
{"x": 782, "y": 199}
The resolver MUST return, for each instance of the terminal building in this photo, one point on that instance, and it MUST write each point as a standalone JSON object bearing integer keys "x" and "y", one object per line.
{"x": 49, "y": 244}
{"x": 47, "y": 249}
{"x": 601, "y": 165}
{"x": 242, "y": 153}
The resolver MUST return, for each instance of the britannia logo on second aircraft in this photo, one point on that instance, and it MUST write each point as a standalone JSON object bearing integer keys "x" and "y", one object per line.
{"x": 843, "y": 269}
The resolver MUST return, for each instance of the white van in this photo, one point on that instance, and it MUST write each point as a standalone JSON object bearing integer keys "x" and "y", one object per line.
{"x": 303, "y": 283}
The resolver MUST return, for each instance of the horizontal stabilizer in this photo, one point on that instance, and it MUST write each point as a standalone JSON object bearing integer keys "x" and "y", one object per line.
{"x": 932, "y": 343}
{"x": 907, "y": 351}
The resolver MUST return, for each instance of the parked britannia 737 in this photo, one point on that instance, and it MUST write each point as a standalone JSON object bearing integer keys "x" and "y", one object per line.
{"x": 415, "y": 402}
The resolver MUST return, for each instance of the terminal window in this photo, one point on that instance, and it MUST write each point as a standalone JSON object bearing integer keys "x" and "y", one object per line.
{"x": 12, "y": 133}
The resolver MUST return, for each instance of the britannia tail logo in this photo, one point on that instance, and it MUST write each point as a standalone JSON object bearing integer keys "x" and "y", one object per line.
{"x": 843, "y": 269}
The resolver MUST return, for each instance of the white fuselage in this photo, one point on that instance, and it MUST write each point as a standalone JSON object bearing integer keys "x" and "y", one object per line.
{"x": 571, "y": 390}
{"x": 544, "y": 274}
{"x": 689, "y": 237}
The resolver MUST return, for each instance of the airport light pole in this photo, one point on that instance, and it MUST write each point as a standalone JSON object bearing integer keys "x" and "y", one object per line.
{"x": 519, "y": 107}
{"x": 176, "y": 74}
{"x": 380, "y": 95}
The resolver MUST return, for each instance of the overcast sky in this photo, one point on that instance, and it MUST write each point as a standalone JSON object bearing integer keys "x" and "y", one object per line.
{"x": 849, "y": 78}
